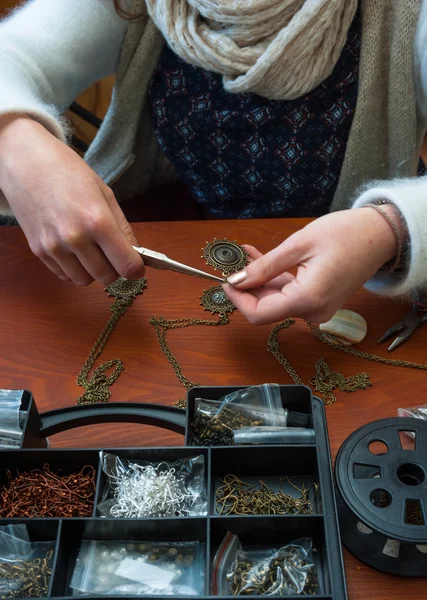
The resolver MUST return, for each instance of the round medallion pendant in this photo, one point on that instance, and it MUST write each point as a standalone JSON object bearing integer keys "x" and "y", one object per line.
{"x": 215, "y": 300}
{"x": 225, "y": 256}
{"x": 126, "y": 289}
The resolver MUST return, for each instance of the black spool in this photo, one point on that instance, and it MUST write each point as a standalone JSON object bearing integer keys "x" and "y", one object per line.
{"x": 381, "y": 476}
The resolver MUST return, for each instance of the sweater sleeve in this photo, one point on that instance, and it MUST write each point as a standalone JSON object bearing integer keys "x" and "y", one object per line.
{"x": 409, "y": 196}
{"x": 52, "y": 50}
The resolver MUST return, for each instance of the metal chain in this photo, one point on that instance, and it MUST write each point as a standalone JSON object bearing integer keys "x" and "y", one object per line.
{"x": 163, "y": 325}
{"x": 365, "y": 355}
{"x": 96, "y": 389}
{"x": 274, "y": 347}
{"x": 325, "y": 380}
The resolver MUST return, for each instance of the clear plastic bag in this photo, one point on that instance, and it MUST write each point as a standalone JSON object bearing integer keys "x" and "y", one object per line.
{"x": 14, "y": 542}
{"x": 288, "y": 571}
{"x": 25, "y": 567}
{"x": 261, "y": 404}
{"x": 416, "y": 412}
{"x": 11, "y": 398}
{"x": 9, "y": 418}
{"x": 137, "y": 489}
{"x": 114, "y": 568}
{"x": 274, "y": 435}
{"x": 10, "y": 426}
{"x": 215, "y": 420}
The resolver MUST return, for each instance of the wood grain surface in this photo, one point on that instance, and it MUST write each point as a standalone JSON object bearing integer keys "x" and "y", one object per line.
{"x": 48, "y": 328}
{"x": 7, "y": 5}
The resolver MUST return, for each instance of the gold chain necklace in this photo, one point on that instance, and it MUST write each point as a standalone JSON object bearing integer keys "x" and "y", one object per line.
{"x": 96, "y": 389}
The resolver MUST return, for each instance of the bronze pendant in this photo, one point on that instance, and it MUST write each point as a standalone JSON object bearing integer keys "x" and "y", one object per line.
{"x": 225, "y": 256}
{"x": 126, "y": 289}
{"x": 215, "y": 300}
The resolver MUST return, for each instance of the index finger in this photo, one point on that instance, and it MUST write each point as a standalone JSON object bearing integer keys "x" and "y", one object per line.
{"x": 266, "y": 305}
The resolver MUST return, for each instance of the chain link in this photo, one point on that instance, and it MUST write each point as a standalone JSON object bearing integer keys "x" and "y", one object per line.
{"x": 365, "y": 355}
{"x": 274, "y": 347}
{"x": 97, "y": 388}
{"x": 163, "y": 325}
{"x": 326, "y": 380}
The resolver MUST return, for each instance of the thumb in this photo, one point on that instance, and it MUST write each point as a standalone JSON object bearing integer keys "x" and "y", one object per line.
{"x": 268, "y": 266}
{"x": 120, "y": 218}
{"x": 129, "y": 239}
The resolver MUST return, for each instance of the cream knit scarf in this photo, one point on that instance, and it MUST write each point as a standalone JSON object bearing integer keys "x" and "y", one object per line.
{"x": 280, "y": 49}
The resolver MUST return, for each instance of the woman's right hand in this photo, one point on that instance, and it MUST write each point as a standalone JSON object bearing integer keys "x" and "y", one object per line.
{"x": 71, "y": 219}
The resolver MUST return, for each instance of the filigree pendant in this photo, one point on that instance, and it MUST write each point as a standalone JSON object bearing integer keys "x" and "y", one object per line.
{"x": 225, "y": 256}
{"x": 126, "y": 289}
{"x": 215, "y": 300}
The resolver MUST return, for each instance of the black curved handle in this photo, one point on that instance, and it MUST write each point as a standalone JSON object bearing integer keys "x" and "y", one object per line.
{"x": 64, "y": 419}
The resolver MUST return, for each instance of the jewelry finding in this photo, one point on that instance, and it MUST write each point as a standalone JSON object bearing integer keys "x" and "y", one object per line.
{"x": 216, "y": 301}
{"x": 43, "y": 493}
{"x": 225, "y": 256}
{"x": 151, "y": 491}
{"x": 236, "y": 497}
{"x": 126, "y": 289}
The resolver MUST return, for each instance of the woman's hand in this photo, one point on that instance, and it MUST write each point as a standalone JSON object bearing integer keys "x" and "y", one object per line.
{"x": 71, "y": 219}
{"x": 334, "y": 257}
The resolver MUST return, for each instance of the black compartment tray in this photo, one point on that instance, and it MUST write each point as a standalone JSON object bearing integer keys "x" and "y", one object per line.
{"x": 301, "y": 463}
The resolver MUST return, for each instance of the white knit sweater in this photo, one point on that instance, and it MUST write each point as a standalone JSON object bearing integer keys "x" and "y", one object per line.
{"x": 51, "y": 50}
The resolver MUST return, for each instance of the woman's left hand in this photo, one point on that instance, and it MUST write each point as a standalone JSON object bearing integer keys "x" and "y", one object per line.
{"x": 334, "y": 257}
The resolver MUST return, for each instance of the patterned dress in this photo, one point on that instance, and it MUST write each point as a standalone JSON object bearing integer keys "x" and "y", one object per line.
{"x": 243, "y": 156}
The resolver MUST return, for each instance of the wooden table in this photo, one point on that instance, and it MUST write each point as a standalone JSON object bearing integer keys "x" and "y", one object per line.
{"x": 48, "y": 328}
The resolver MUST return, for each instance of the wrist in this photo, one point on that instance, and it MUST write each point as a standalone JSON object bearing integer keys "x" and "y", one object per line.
{"x": 391, "y": 232}
{"x": 393, "y": 212}
{"x": 16, "y": 131}
{"x": 10, "y": 121}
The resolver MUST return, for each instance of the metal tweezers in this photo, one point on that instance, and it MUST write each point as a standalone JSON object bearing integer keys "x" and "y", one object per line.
{"x": 157, "y": 260}
{"x": 406, "y": 327}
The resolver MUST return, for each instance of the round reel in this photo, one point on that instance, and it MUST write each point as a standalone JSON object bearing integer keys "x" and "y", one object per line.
{"x": 381, "y": 476}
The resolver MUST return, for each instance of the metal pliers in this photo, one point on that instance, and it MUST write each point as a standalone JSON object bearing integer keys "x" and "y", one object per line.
{"x": 406, "y": 327}
{"x": 157, "y": 260}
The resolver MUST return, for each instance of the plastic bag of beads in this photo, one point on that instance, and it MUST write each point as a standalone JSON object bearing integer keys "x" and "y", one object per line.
{"x": 136, "y": 489}
{"x": 288, "y": 571}
{"x": 118, "y": 568}
{"x": 25, "y": 567}
{"x": 258, "y": 406}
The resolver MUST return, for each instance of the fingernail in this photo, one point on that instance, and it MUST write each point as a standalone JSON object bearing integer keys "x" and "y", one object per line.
{"x": 237, "y": 278}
